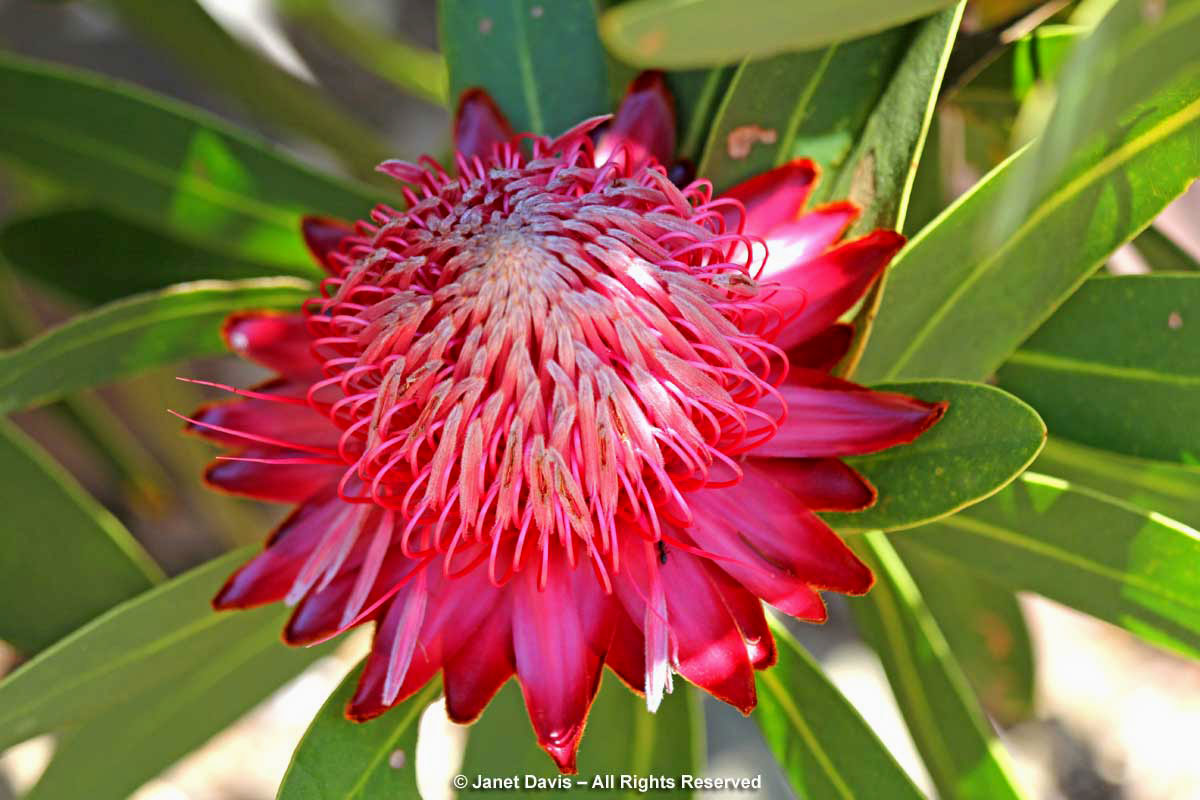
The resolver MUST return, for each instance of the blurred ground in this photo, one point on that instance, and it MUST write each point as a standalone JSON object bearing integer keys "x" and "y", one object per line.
{"x": 1116, "y": 719}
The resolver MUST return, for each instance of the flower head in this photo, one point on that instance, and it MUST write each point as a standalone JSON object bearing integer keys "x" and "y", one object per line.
{"x": 559, "y": 413}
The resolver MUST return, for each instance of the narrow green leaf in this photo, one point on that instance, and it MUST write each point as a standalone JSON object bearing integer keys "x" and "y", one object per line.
{"x": 698, "y": 93}
{"x": 135, "y": 334}
{"x": 622, "y": 738}
{"x": 954, "y": 738}
{"x": 1150, "y": 485}
{"x": 823, "y": 745}
{"x": 812, "y": 104}
{"x": 135, "y": 740}
{"x": 1118, "y": 367}
{"x": 64, "y": 559}
{"x": 342, "y": 760}
{"x": 1162, "y": 254}
{"x": 542, "y": 62}
{"x": 1136, "y": 569}
{"x": 678, "y": 34}
{"x": 960, "y": 302}
{"x": 185, "y": 32}
{"x": 129, "y": 651}
{"x": 986, "y": 439}
{"x": 929, "y": 192}
{"x": 164, "y": 163}
{"x": 985, "y": 628}
{"x": 119, "y": 257}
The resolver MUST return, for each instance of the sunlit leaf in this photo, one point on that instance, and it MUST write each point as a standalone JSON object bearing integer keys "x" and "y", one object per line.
{"x": 949, "y": 729}
{"x": 985, "y": 439}
{"x": 61, "y": 552}
{"x": 678, "y": 34}
{"x": 342, "y": 760}
{"x": 542, "y": 62}
{"x": 135, "y": 334}
{"x": 1118, "y": 367}
{"x": 1136, "y": 569}
{"x": 823, "y": 745}
{"x": 166, "y": 164}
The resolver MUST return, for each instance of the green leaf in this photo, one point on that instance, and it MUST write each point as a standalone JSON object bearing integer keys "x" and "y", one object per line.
{"x": 678, "y": 34}
{"x": 138, "y": 738}
{"x": 132, "y": 649}
{"x": 134, "y": 334}
{"x": 342, "y": 760}
{"x": 823, "y": 745}
{"x": 698, "y": 94}
{"x": 622, "y": 738}
{"x": 1162, "y": 254}
{"x": 542, "y": 62}
{"x": 1150, "y": 485}
{"x": 64, "y": 559}
{"x": 1136, "y": 569}
{"x": 954, "y": 738}
{"x": 166, "y": 164}
{"x": 123, "y": 257}
{"x": 1118, "y": 367}
{"x": 185, "y": 32}
{"x": 959, "y": 301}
{"x": 985, "y": 439}
{"x": 811, "y": 104}
{"x": 985, "y": 628}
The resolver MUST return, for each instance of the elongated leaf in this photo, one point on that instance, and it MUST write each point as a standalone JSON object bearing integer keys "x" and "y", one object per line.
{"x": 169, "y": 165}
{"x": 140, "y": 332}
{"x": 63, "y": 558}
{"x": 1150, "y": 485}
{"x": 677, "y": 34}
{"x": 698, "y": 94}
{"x": 542, "y": 62}
{"x": 811, "y": 104}
{"x": 985, "y": 439}
{"x": 623, "y": 738}
{"x": 135, "y": 740}
{"x": 185, "y": 32}
{"x": 342, "y": 760}
{"x": 823, "y": 745}
{"x": 1162, "y": 254}
{"x": 1136, "y": 569}
{"x": 133, "y": 648}
{"x": 96, "y": 256}
{"x": 960, "y": 302}
{"x": 985, "y": 628}
{"x": 955, "y": 740}
{"x": 1118, "y": 367}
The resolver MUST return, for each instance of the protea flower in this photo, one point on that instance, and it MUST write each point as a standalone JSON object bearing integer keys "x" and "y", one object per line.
{"x": 558, "y": 414}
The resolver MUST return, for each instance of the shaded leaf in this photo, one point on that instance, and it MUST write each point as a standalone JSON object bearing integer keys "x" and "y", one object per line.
{"x": 985, "y": 628}
{"x": 824, "y": 746}
{"x": 698, "y": 94}
{"x": 1162, "y": 254}
{"x": 1118, "y": 367}
{"x": 342, "y": 760}
{"x": 678, "y": 34}
{"x": 949, "y": 729}
{"x": 542, "y": 62}
{"x": 134, "y": 334}
{"x": 960, "y": 301}
{"x": 64, "y": 559}
{"x": 166, "y": 164}
{"x": 1136, "y": 569}
{"x": 622, "y": 738}
{"x": 95, "y": 256}
{"x": 985, "y": 439}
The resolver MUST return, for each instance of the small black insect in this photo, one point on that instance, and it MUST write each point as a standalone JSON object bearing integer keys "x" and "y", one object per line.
{"x": 662, "y": 553}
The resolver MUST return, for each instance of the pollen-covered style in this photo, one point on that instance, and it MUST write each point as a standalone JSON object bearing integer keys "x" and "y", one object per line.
{"x": 560, "y": 413}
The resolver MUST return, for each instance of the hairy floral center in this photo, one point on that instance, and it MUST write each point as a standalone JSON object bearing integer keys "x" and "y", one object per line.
{"x": 540, "y": 347}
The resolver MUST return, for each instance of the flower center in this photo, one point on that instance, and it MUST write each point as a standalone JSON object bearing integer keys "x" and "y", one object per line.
{"x": 541, "y": 348}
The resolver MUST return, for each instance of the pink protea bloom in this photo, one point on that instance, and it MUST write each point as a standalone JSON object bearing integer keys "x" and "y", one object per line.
{"x": 558, "y": 414}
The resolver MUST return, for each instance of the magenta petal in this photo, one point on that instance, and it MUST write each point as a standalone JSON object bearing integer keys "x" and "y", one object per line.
{"x": 813, "y": 294}
{"x": 479, "y": 126}
{"x": 807, "y": 237}
{"x": 821, "y": 484}
{"x": 474, "y": 675}
{"x": 824, "y": 351}
{"x": 644, "y": 125}
{"x": 277, "y": 341}
{"x": 323, "y": 235}
{"x": 296, "y": 424}
{"x": 268, "y": 479}
{"x": 772, "y": 198}
{"x": 747, "y": 612}
{"x": 627, "y": 653}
